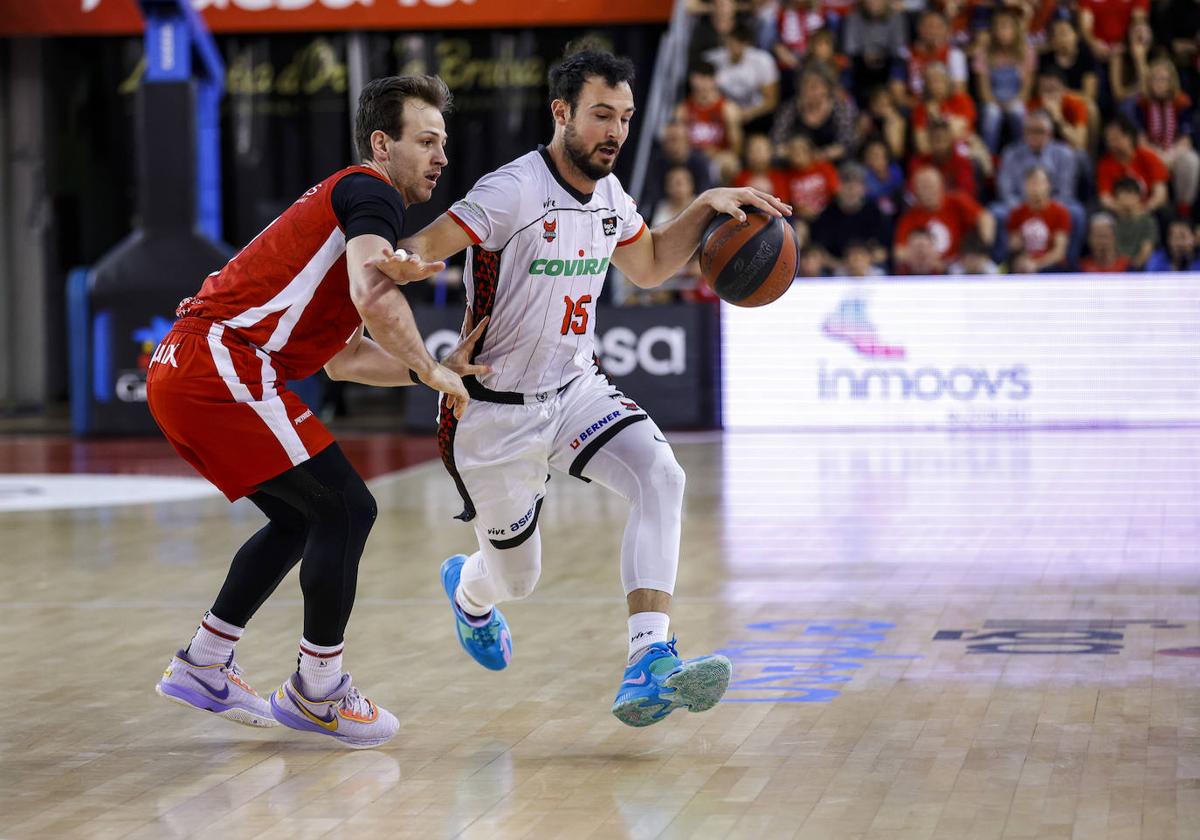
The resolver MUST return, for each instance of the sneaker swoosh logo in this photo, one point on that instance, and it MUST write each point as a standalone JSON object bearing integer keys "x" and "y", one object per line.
{"x": 220, "y": 695}
{"x": 329, "y": 723}
{"x": 641, "y": 680}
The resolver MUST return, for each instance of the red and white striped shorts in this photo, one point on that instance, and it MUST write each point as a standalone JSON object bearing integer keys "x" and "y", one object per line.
{"x": 217, "y": 400}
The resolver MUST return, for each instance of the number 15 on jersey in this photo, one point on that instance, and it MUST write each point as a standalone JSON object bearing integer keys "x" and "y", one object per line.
{"x": 575, "y": 318}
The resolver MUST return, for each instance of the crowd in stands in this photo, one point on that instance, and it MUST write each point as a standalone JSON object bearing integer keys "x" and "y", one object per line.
{"x": 961, "y": 136}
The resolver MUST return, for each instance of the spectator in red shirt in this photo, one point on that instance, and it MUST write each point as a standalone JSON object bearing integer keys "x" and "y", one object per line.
{"x": 1102, "y": 247}
{"x": 1126, "y": 159}
{"x": 946, "y": 157}
{"x": 947, "y": 216}
{"x": 1165, "y": 116}
{"x": 1068, "y": 112}
{"x": 932, "y": 46}
{"x": 941, "y": 100}
{"x": 714, "y": 126}
{"x": 1105, "y": 23}
{"x": 1038, "y": 229}
{"x": 795, "y": 24}
{"x": 812, "y": 183}
{"x": 759, "y": 173}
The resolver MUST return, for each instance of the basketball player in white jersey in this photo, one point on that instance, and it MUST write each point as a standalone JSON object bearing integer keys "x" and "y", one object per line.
{"x": 542, "y": 231}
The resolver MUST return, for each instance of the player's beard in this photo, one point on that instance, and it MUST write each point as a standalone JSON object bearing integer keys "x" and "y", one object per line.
{"x": 581, "y": 156}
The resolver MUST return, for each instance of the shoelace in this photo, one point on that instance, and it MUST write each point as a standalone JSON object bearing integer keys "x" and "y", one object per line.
{"x": 239, "y": 676}
{"x": 487, "y": 633}
{"x": 355, "y": 703}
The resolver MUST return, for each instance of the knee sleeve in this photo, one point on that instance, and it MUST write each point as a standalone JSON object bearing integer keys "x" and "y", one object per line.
{"x": 508, "y": 501}
{"x": 495, "y": 574}
{"x": 640, "y": 467}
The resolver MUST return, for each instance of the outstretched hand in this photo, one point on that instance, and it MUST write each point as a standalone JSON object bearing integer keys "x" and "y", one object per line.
{"x": 459, "y": 359}
{"x": 730, "y": 200}
{"x": 401, "y": 267}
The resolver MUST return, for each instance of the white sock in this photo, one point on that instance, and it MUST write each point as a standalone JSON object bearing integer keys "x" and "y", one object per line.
{"x": 320, "y": 669}
{"x": 214, "y": 641}
{"x": 646, "y": 628}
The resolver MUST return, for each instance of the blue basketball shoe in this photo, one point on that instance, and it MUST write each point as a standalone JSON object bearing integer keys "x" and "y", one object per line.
{"x": 659, "y": 682}
{"x": 487, "y": 638}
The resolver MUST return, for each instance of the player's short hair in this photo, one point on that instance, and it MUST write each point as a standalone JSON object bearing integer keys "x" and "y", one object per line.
{"x": 582, "y": 62}
{"x": 381, "y": 106}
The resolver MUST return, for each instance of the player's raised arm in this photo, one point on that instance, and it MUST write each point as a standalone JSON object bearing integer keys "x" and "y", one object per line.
{"x": 487, "y": 216}
{"x": 440, "y": 239}
{"x": 648, "y": 260}
{"x": 389, "y": 318}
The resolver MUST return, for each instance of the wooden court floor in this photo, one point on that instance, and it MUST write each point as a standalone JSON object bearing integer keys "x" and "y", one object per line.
{"x": 933, "y": 636}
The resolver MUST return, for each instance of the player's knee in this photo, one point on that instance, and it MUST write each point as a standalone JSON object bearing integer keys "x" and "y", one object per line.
{"x": 289, "y": 524}
{"x": 517, "y": 568}
{"x": 351, "y": 511}
{"x": 361, "y": 509}
{"x": 522, "y": 585}
{"x": 667, "y": 479}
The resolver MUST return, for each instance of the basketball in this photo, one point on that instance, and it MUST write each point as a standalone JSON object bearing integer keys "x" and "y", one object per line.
{"x": 749, "y": 263}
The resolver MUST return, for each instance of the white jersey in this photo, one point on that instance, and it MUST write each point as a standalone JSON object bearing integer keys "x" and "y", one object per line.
{"x": 540, "y": 254}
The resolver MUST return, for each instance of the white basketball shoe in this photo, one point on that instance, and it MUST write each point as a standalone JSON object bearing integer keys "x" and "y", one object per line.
{"x": 345, "y": 714}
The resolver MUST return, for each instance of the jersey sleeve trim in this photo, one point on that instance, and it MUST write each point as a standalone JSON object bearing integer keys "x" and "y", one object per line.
{"x": 475, "y": 239}
{"x": 633, "y": 238}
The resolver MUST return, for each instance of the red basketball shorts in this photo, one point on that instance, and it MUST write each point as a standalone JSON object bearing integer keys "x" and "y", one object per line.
{"x": 216, "y": 399}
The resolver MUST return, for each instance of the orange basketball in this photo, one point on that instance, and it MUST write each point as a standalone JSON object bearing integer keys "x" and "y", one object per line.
{"x": 749, "y": 263}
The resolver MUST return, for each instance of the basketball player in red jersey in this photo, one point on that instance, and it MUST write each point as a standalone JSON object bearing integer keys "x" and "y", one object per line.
{"x": 292, "y": 301}
{"x": 542, "y": 231}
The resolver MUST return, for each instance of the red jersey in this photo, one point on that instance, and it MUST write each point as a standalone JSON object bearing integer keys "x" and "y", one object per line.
{"x": 813, "y": 187}
{"x": 1074, "y": 109}
{"x": 1110, "y": 18}
{"x": 957, "y": 171}
{"x": 918, "y": 57}
{"x": 1118, "y": 265}
{"x": 778, "y": 178}
{"x": 1145, "y": 167}
{"x": 287, "y": 293}
{"x": 1037, "y": 228}
{"x": 706, "y": 125}
{"x": 957, "y": 216}
{"x": 836, "y": 8}
{"x": 796, "y": 27}
{"x": 955, "y": 105}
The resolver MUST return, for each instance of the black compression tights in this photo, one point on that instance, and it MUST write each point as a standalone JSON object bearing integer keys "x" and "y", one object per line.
{"x": 319, "y": 510}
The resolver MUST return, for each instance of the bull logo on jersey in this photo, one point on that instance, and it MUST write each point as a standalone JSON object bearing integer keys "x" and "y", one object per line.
{"x": 549, "y": 230}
